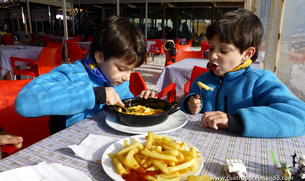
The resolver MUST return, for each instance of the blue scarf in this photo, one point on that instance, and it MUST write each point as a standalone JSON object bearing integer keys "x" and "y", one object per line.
{"x": 91, "y": 68}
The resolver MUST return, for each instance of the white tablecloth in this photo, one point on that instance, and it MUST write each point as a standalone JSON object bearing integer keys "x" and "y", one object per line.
{"x": 8, "y": 51}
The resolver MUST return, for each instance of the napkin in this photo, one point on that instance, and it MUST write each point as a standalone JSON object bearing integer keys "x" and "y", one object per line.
{"x": 92, "y": 147}
{"x": 44, "y": 172}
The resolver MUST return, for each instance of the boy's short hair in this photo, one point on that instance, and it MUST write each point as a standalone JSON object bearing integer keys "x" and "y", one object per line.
{"x": 240, "y": 27}
{"x": 118, "y": 37}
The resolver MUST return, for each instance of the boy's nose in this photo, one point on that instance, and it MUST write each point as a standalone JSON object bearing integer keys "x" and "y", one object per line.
{"x": 213, "y": 56}
{"x": 126, "y": 77}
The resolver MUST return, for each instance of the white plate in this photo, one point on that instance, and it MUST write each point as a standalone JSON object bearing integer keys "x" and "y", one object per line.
{"x": 45, "y": 172}
{"x": 173, "y": 122}
{"x": 111, "y": 171}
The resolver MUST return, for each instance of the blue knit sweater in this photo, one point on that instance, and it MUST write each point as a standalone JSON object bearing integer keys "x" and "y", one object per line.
{"x": 67, "y": 90}
{"x": 266, "y": 106}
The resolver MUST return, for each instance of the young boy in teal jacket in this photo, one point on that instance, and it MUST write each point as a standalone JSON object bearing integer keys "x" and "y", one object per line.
{"x": 250, "y": 102}
{"x": 71, "y": 92}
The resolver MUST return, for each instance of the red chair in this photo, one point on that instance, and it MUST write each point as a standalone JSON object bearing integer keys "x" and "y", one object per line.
{"x": 168, "y": 58}
{"x": 90, "y": 38}
{"x": 157, "y": 48}
{"x": 58, "y": 53}
{"x": 31, "y": 130}
{"x": 77, "y": 38}
{"x": 137, "y": 85}
{"x": 195, "y": 73}
{"x": 74, "y": 51}
{"x": 204, "y": 46}
{"x": 35, "y": 40}
{"x": 46, "y": 62}
{"x": 8, "y": 39}
{"x": 188, "y": 54}
{"x": 183, "y": 47}
{"x": 189, "y": 42}
{"x": 47, "y": 39}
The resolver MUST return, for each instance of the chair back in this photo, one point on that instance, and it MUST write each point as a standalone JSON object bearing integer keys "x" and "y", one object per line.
{"x": 90, "y": 38}
{"x": 9, "y": 39}
{"x": 204, "y": 46}
{"x": 47, "y": 60}
{"x": 136, "y": 83}
{"x": 46, "y": 39}
{"x": 196, "y": 72}
{"x": 185, "y": 47}
{"x": 168, "y": 58}
{"x": 31, "y": 129}
{"x": 77, "y": 38}
{"x": 58, "y": 53}
{"x": 188, "y": 54}
{"x": 74, "y": 51}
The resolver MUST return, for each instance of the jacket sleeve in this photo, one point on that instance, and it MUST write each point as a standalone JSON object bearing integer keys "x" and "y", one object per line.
{"x": 63, "y": 91}
{"x": 276, "y": 113}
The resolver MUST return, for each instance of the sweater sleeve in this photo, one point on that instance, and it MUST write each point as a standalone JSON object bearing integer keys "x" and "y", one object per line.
{"x": 276, "y": 111}
{"x": 66, "y": 90}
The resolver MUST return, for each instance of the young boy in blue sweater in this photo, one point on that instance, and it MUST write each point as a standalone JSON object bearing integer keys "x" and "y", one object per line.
{"x": 250, "y": 102}
{"x": 71, "y": 92}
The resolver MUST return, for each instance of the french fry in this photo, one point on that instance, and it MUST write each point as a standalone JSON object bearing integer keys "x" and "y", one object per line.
{"x": 183, "y": 165}
{"x": 149, "y": 140}
{"x": 157, "y": 155}
{"x": 126, "y": 143}
{"x": 118, "y": 165}
{"x": 162, "y": 167}
{"x": 204, "y": 86}
{"x": 128, "y": 148}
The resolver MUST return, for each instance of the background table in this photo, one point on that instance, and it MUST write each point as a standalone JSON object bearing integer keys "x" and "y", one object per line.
{"x": 215, "y": 147}
{"x": 181, "y": 71}
{"x": 8, "y": 51}
{"x": 84, "y": 44}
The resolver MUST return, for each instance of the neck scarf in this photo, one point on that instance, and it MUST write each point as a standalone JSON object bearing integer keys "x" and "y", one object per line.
{"x": 91, "y": 68}
{"x": 239, "y": 67}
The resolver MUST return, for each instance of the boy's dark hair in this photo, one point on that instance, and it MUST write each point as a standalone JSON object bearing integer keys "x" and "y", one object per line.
{"x": 118, "y": 37}
{"x": 240, "y": 27}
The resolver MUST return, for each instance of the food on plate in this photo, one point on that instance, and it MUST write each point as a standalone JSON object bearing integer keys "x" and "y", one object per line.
{"x": 198, "y": 178}
{"x": 141, "y": 110}
{"x": 161, "y": 158}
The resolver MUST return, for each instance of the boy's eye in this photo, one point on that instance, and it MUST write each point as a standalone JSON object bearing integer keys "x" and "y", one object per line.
{"x": 224, "y": 51}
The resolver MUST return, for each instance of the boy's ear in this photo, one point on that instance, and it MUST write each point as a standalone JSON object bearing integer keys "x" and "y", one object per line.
{"x": 249, "y": 53}
{"x": 99, "y": 56}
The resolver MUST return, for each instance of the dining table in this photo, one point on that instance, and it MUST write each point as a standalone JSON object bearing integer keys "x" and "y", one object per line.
{"x": 8, "y": 51}
{"x": 215, "y": 146}
{"x": 180, "y": 72}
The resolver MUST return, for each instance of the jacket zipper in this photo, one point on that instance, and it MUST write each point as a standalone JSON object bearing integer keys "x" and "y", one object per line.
{"x": 217, "y": 94}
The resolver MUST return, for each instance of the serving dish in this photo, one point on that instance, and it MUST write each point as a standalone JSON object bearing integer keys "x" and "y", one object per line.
{"x": 144, "y": 120}
{"x": 173, "y": 122}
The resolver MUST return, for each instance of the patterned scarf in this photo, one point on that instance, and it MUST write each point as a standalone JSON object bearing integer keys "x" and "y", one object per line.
{"x": 91, "y": 68}
{"x": 239, "y": 67}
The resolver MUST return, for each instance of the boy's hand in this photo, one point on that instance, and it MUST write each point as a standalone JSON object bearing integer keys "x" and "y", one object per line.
{"x": 8, "y": 138}
{"x": 147, "y": 94}
{"x": 215, "y": 119}
{"x": 194, "y": 104}
{"x": 112, "y": 97}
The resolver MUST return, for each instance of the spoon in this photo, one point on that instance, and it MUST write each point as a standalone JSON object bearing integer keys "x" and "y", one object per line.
{"x": 127, "y": 110}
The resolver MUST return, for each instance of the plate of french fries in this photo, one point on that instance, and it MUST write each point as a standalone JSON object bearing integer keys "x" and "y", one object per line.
{"x": 153, "y": 157}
